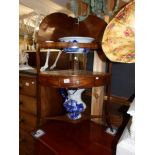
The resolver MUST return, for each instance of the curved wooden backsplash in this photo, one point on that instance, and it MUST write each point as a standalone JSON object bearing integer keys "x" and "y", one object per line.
{"x": 57, "y": 25}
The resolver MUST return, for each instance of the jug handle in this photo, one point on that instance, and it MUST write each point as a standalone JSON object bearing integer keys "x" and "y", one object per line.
{"x": 63, "y": 93}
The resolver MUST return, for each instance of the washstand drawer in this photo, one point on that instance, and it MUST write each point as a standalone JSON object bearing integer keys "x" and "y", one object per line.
{"x": 26, "y": 141}
{"x": 76, "y": 82}
{"x": 27, "y": 86}
{"x": 28, "y": 104}
{"x": 27, "y": 121}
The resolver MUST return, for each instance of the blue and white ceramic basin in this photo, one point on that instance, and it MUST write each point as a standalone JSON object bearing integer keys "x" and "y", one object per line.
{"x": 76, "y": 39}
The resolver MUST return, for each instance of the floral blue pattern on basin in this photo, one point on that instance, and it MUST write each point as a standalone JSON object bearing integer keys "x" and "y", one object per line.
{"x": 75, "y": 39}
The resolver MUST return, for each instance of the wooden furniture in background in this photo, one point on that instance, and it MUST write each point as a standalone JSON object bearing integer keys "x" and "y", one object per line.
{"x": 27, "y": 112}
{"x": 30, "y": 112}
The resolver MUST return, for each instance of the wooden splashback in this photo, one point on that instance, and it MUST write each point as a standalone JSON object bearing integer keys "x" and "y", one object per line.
{"x": 57, "y": 25}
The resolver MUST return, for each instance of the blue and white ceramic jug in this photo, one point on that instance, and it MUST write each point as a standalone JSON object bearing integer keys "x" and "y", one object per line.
{"x": 73, "y": 103}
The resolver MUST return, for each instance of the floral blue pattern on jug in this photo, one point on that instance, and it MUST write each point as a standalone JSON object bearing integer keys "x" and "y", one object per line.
{"x": 73, "y": 102}
{"x": 74, "y": 109}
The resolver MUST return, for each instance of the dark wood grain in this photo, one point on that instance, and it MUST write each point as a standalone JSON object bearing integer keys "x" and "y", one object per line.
{"x": 27, "y": 121}
{"x": 28, "y": 104}
{"x": 63, "y": 138}
{"x": 82, "y": 138}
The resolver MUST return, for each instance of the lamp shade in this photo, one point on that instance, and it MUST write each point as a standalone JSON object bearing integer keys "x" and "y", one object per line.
{"x": 118, "y": 42}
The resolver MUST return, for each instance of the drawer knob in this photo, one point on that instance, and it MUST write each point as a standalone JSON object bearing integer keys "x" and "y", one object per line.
{"x": 27, "y": 84}
{"x": 97, "y": 78}
{"x": 77, "y": 82}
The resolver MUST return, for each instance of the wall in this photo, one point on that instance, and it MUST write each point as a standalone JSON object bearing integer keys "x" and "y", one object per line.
{"x": 123, "y": 80}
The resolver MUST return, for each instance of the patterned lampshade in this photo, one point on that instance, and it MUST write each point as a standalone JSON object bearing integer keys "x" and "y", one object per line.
{"x": 118, "y": 42}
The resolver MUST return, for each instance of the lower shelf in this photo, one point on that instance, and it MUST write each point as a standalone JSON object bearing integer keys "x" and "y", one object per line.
{"x": 66, "y": 119}
{"x": 64, "y": 138}
{"x": 116, "y": 120}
